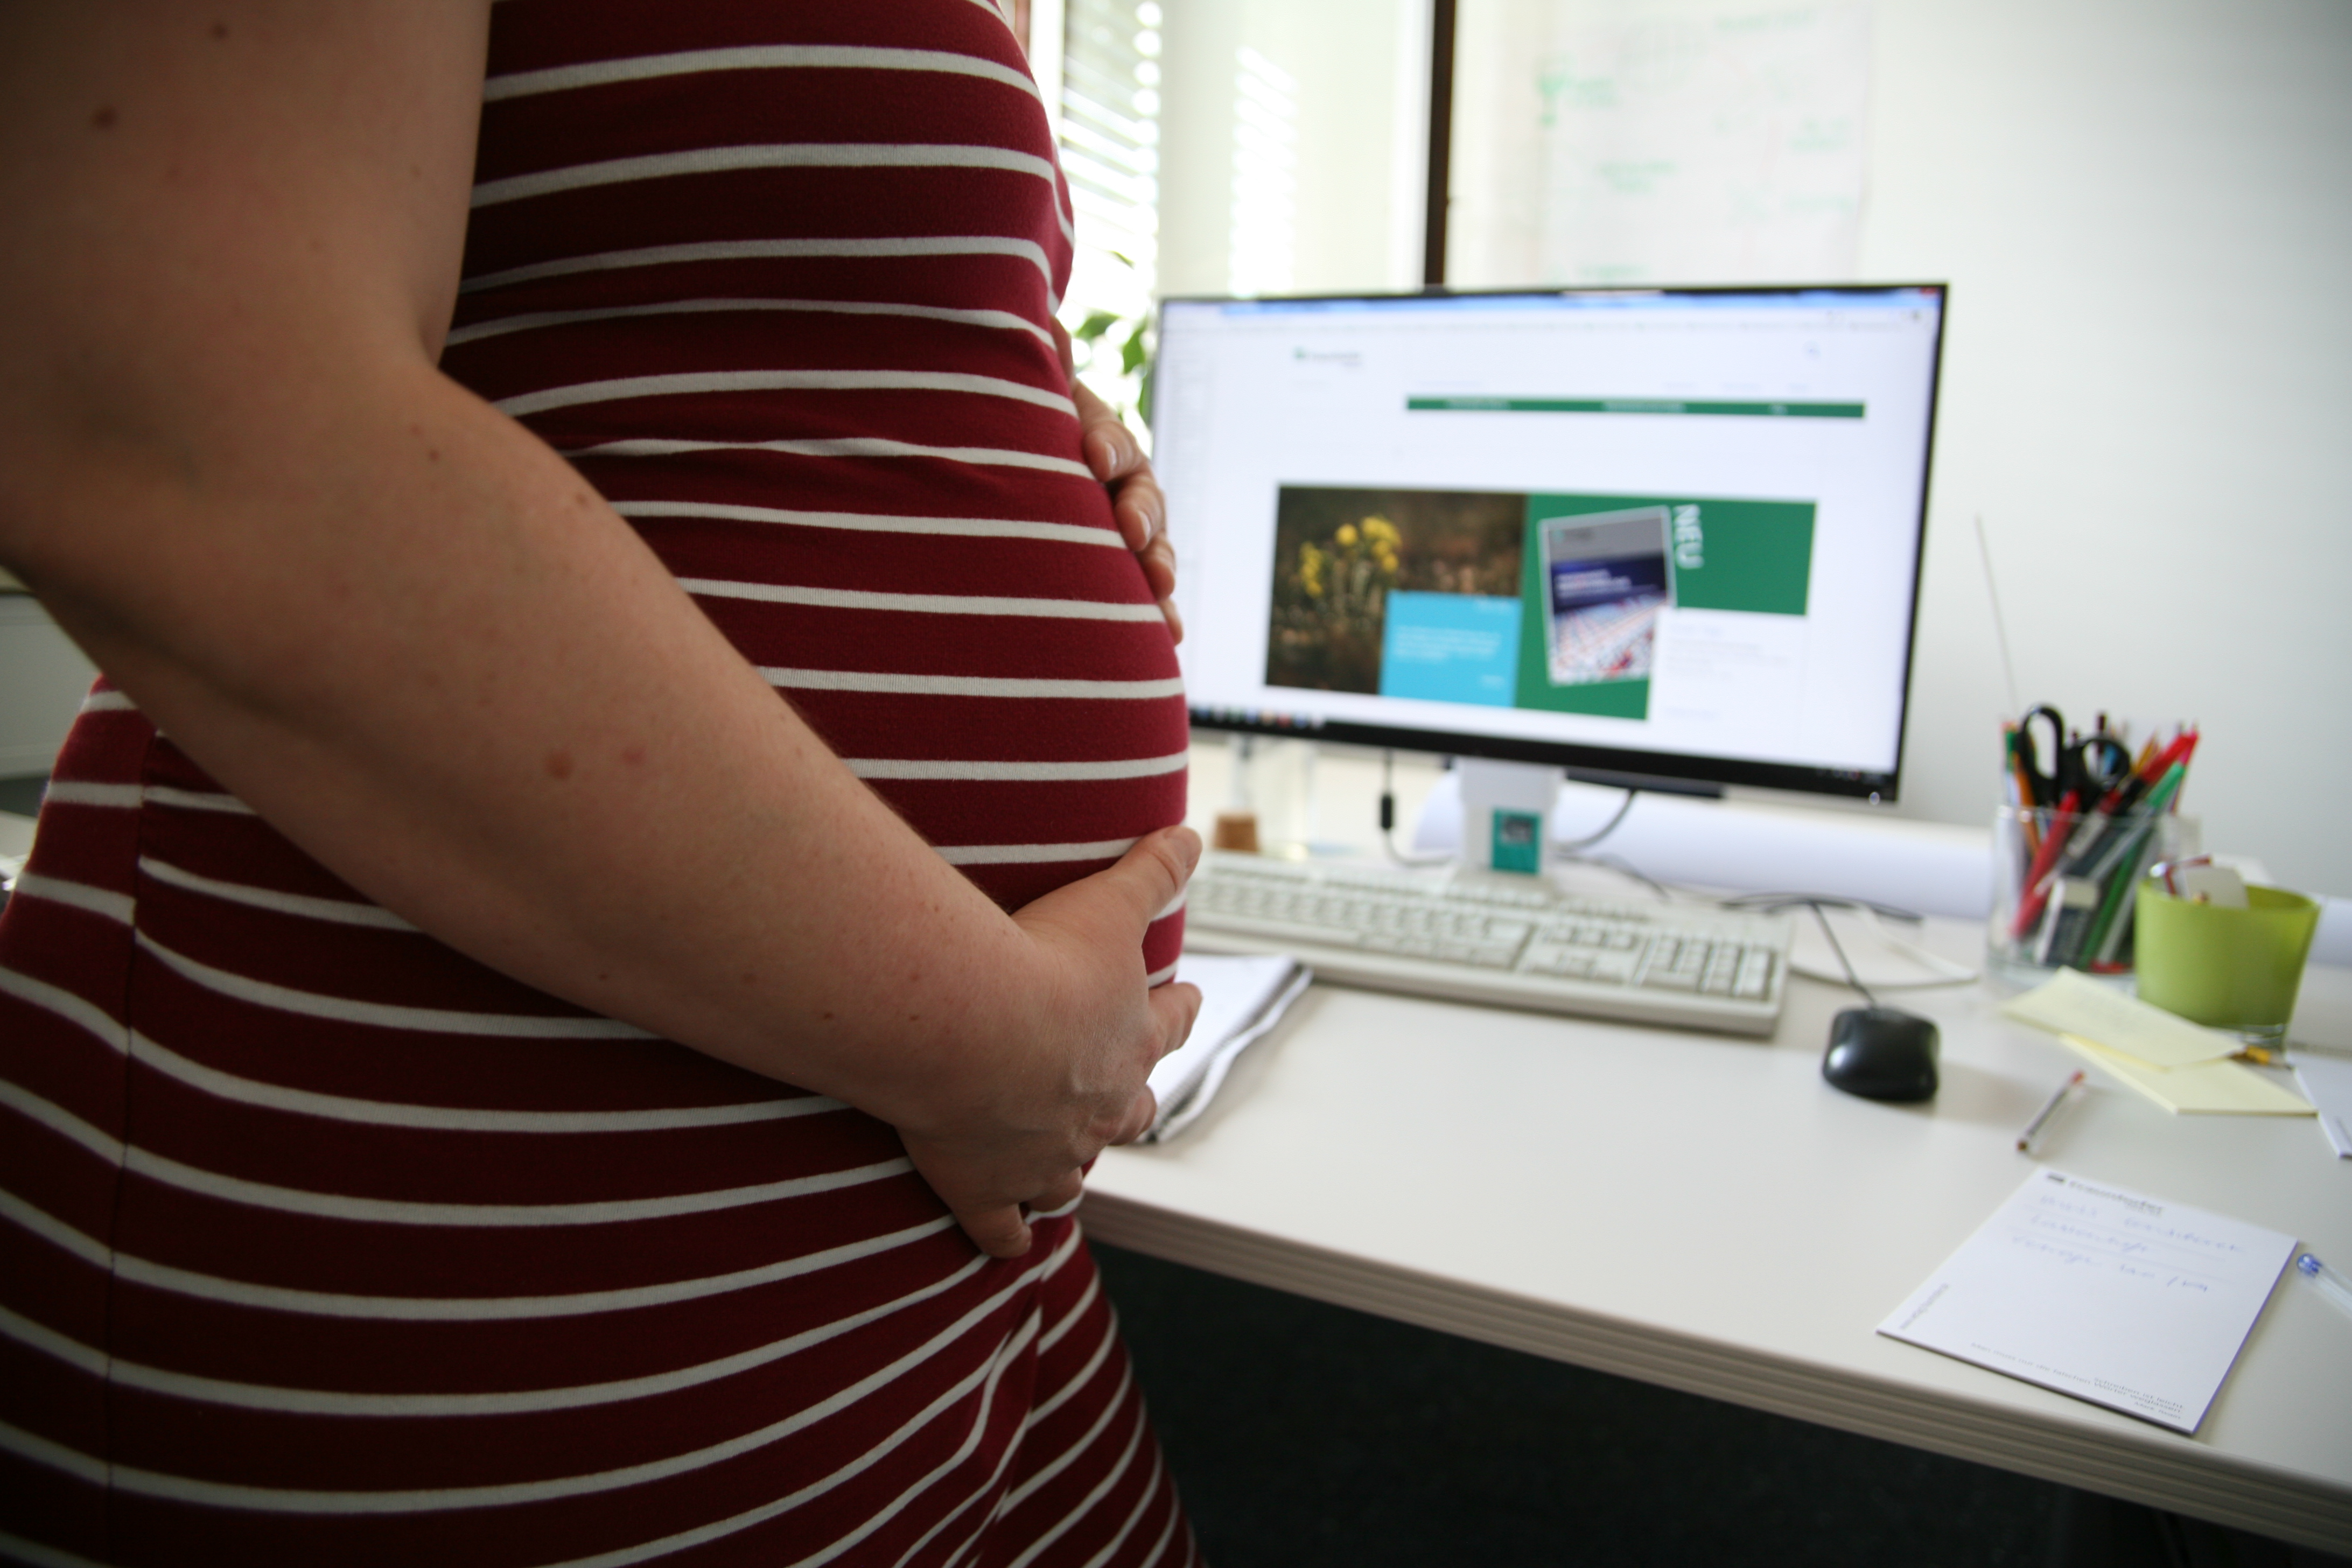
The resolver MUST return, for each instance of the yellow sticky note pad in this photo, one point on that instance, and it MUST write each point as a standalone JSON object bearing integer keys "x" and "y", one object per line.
{"x": 2071, "y": 1002}
{"x": 2217, "y": 1088}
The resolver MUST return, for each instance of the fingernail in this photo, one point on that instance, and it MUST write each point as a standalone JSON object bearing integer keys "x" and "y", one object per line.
{"x": 1187, "y": 844}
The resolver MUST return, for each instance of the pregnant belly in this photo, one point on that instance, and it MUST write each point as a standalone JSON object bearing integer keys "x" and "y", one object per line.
{"x": 1007, "y": 684}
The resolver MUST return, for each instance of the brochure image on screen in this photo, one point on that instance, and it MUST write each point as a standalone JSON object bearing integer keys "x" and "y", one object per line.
{"x": 1564, "y": 604}
{"x": 1606, "y": 578}
{"x": 1397, "y": 593}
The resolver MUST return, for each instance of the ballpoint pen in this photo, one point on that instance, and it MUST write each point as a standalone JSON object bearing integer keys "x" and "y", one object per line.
{"x": 2035, "y": 892}
{"x": 2023, "y": 783}
{"x": 2033, "y": 1128}
{"x": 2325, "y": 1280}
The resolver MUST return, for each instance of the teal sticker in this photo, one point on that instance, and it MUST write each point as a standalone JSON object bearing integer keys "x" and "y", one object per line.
{"x": 1519, "y": 842}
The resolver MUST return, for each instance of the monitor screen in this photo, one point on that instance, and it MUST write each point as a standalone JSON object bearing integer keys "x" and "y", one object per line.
{"x": 1660, "y": 534}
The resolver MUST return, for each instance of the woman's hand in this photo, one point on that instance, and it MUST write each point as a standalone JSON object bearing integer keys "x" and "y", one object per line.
{"x": 1025, "y": 1122}
{"x": 1137, "y": 501}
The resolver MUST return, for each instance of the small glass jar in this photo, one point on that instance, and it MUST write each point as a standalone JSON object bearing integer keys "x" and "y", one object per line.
{"x": 2061, "y": 886}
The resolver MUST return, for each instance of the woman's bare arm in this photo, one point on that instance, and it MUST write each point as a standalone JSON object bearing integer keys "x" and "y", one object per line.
{"x": 409, "y": 635}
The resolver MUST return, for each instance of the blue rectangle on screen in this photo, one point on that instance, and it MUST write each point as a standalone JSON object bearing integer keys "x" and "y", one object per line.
{"x": 1451, "y": 648}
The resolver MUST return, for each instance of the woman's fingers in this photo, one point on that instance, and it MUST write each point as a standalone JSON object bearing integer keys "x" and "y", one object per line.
{"x": 1158, "y": 558}
{"x": 1140, "y": 507}
{"x": 1132, "y": 893}
{"x": 1137, "y": 504}
{"x": 1174, "y": 1008}
{"x": 998, "y": 1227}
{"x": 1060, "y": 1196}
{"x": 999, "y": 1232}
{"x": 1111, "y": 450}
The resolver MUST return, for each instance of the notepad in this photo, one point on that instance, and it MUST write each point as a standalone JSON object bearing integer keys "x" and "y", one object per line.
{"x": 2071, "y": 1003}
{"x": 1242, "y": 997}
{"x": 2180, "y": 1065}
{"x": 2201, "y": 1089}
{"x": 2105, "y": 1294}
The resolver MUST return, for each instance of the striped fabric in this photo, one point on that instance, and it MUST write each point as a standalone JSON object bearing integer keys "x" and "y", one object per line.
{"x": 320, "y": 1242}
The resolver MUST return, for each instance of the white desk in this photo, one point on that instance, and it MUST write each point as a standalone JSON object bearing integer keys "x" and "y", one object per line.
{"x": 1707, "y": 1214}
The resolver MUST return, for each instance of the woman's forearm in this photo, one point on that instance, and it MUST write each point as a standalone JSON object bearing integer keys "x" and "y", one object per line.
{"x": 417, "y": 643}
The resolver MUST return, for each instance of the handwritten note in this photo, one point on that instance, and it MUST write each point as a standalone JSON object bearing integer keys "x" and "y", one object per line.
{"x": 2108, "y": 1295}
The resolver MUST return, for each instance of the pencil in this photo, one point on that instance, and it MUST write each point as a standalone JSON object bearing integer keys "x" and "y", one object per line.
{"x": 2033, "y": 1128}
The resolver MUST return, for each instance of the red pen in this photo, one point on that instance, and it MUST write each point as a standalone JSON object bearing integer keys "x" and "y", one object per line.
{"x": 2033, "y": 895}
{"x": 2138, "y": 781}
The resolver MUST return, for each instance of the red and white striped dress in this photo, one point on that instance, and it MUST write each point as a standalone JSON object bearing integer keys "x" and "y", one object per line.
{"x": 319, "y": 1241}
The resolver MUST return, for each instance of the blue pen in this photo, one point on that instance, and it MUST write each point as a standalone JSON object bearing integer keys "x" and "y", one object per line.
{"x": 2330, "y": 1284}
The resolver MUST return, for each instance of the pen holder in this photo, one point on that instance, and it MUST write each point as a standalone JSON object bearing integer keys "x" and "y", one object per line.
{"x": 2228, "y": 969}
{"x": 2061, "y": 886}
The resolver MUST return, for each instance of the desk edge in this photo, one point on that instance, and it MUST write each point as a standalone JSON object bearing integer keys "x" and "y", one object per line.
{"x": 2210, "y": 1486}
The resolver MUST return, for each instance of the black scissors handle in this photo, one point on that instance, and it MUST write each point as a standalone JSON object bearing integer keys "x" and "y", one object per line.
{"x": 2048, "y": 785}
{"x": 2098, "y": 764}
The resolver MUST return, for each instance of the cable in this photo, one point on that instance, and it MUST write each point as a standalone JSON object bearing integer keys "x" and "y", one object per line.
{"x": 1767, "y": 902}
{"x": 1388, "y": 818}
{"x": 1947, "y": 972}
{"x": 1624, "y": 868}
{"x": 1839, "y": 948}
{"x": 1568, "y": 851}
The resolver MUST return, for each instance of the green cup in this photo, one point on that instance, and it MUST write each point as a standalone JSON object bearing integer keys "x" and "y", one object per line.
{"x": 2231, "y": 969}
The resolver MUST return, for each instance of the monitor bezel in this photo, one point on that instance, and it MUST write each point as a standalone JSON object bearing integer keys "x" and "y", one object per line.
{"x": 1667, "y": 772}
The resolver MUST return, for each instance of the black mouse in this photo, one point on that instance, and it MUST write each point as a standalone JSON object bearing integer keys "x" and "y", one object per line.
{"x": 1882, "y": 1053}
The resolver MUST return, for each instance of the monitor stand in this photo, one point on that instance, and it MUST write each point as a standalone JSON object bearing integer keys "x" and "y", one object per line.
{"x": 1506, "y": 816}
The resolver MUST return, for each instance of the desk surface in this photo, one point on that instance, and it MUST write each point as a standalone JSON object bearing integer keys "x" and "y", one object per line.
{"x": 1706, "y": 1214}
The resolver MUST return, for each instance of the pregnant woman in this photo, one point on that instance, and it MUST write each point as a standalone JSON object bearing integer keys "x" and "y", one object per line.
{"x": 620, "y": 869}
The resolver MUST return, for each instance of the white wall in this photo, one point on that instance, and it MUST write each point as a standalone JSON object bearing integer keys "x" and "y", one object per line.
{"x": 2145, "y": 210}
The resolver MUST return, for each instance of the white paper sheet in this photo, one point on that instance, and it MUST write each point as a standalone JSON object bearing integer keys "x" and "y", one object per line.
{"x": 2327, "y": 1084}
{"x": 2111, "y": 1296}
{"x": 1242, "y": 997}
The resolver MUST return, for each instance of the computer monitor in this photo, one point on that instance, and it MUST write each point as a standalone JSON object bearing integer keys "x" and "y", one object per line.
{"x": 1667, "y": 536}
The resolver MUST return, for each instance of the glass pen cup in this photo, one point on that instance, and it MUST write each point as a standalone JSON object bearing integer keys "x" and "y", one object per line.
{"x": 2061, "y": 886}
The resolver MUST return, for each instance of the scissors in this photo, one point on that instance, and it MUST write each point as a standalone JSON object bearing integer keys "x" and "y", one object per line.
{"x": 2088, "y": 766}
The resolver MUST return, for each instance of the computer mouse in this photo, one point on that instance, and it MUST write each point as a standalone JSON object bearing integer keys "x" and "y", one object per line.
{"x": 1882, "y": 1053}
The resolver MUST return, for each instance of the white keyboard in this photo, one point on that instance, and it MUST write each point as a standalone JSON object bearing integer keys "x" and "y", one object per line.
{"x": 1479, "y": 937}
